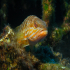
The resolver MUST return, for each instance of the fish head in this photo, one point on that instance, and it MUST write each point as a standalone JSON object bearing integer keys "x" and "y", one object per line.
{"x": 38, "y": 31}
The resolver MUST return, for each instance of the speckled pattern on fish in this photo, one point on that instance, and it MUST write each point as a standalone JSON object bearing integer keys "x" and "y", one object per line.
{"x": 31, "y": 31}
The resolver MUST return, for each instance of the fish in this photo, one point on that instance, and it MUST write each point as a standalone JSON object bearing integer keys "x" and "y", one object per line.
{"x": 31, "y": 31}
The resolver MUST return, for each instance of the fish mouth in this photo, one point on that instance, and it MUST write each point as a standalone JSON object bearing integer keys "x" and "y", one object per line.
{"x": 43, "y": 33}
{"x": 39, "y": 35}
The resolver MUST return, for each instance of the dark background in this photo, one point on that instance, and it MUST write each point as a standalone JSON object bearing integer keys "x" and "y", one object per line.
{"x": 18, "y": 10}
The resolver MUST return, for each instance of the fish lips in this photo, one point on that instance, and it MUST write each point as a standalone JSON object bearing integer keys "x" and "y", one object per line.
{"x": 42, "y": 34}
{"x": 39, "y": 37}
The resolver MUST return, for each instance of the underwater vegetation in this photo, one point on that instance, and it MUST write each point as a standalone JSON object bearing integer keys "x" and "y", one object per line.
{"x": 11, "y": 59}
{"x": 16, "y": 53}
{"x": 36, "y": 44}
{"x": 58, "y": 21}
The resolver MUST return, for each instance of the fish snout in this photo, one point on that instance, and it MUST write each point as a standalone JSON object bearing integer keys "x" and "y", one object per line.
{"x": 38, "y": 37}
{"x": 42, "y": 34}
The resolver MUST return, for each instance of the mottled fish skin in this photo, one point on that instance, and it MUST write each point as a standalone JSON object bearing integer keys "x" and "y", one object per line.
{"x": 31, "y": 31}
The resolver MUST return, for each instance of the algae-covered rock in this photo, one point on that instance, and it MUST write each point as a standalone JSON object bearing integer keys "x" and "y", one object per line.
{"x": 49, "y": 66}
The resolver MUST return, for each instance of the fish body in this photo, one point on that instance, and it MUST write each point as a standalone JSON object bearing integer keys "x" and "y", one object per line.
{"x": 31, "y": 31}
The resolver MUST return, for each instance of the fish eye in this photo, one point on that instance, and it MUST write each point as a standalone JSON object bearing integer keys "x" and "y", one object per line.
{"x": 35, "y": 24}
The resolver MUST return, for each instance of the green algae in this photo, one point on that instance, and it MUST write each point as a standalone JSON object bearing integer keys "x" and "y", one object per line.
{"x": 49, "y": 66}
{"x": 46, "y": 7}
